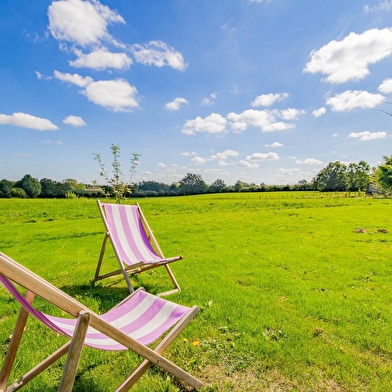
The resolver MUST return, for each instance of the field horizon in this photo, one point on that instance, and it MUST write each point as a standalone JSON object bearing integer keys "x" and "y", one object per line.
{"x": 295, "y": 289}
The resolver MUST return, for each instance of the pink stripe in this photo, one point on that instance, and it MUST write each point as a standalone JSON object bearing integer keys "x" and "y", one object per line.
{"x": 132, "y": 230}
{"x": 174, "y": 317}
{"x": 129, "y": 233}
{"x": 113, "y": 233}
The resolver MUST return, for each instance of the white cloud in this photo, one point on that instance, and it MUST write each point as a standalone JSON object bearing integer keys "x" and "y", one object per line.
{"x": 309, "y": 161}
{"x": 198, "y": 160}
{"x": 187, "y": 154}
{"x": 159, "y": 54}
{"x": 175, "y": 105}
{"x": 81, "y": 22}
{"x": 248, "y": 164}
{"x": 319, "y": 112}
{"x": 268, "y": 99}
{"x": 214, "y": 123}
{"x": 275, "y": 144}
{"x": 73, "y": 78}
{"x": 209, "y": 101}
{"x": 335, "y": 135}
{"x": 386, "y": 86}
{"x": 116, "y": 95}
{"x": 349, "y": 59}
{"x": 258, "y": 156}
{"x": 75, "y": 121}
{"x": 291, "y": 114}
{"x": 366, "y": 135}
{"x": 350, "y": 100}
{"x": 101, "y": 59}
{"x": 28, "y": 121}
{"x": 162, "y": 165}
{"x": 224, "y": 155}
{"x": 266, "y": 120}
{"x": 21, "y": 154}
{"x": 383, "y": 6}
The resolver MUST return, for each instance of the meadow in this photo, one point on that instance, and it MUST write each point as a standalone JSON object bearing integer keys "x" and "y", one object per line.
{"x": 295, "y": 289}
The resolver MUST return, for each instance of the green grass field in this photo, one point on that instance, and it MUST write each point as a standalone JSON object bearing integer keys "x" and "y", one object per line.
{"x": 295, "y": 289}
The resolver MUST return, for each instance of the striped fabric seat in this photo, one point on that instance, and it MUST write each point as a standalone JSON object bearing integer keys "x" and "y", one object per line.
{"x": 139, "y": 320}
{"x": 144, "y": 317}
{"x": 133, "y": 242}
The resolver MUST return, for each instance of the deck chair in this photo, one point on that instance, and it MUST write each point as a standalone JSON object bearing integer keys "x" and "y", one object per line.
{"x": 133, "y": 242}
{"x": 133, "y": 324}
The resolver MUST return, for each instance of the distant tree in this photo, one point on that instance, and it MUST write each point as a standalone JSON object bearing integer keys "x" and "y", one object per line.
{"x": 18, "y": 192}
{"x": 239, "y": 186}
{"x": 217, "y": 186}
{"x": 332, "y": 178}
{"x": 384, "y": 174}
{"x": 30, "y": 185}
{"x": 153, "y": 186}
{"x": 5, "y": 188}
{"x": 358, "y": 176}
{"x": 192, "y": 184}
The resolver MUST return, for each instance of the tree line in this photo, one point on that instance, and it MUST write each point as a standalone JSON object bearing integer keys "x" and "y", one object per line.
{"x": 335, "y": 177}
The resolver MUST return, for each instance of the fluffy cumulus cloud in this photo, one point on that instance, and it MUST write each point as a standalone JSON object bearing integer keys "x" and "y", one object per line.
{"x": 198, "y": 160}
{"x": 101, "y": 59}
{"x": 75, "y": 121}
{"x": 116, "y": 95}
{"x": 309, "y": 161}
{"x": 224, "y": 155}
{"x": 366, "y": 135}
{"x": 248, "y": 164}
{"x": 266, "y": 120}
{"x": 158, "y": 53}
{"x": 214, "y": 123}
{"x": 258, "y": 156}
{"x": 319, "y": 112}
{"x": 268, "y": 99}
{"x": 385, "y": 87}
{"x": 275, "y": 144}
{"x": 350, "y": 58}
{"x": 27, "y": 121}
{"x": 73, "y": 78}
{"x": 176, "y": 103}
{"x": 350, "y": 100}
{"x": 81, "y": 22}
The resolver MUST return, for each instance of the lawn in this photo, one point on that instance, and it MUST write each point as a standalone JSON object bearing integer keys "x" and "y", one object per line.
{"x": 295, "y": 289}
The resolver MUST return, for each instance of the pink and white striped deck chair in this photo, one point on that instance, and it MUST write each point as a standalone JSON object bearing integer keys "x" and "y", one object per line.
{"x": 137, "y": 321}
{"x": 133, "y": 242}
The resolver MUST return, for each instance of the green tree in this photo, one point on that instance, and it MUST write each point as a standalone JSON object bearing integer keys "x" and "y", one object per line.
{"x": 30, "y": 185}
{"x": 217, "y": 186}
{"x": 332, "y": 178}
{"x": 117, "y": 182}
{"x": 384, "y": 174}
{"x": 192, "y": 184}
{"x": 358, "y": 176}
{"x": 18, "y": 192}
{"x": 5, "y": 188}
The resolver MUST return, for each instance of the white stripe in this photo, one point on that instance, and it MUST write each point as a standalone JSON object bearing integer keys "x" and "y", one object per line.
{"x": 137, "y": 237}
{"x": 121, "y": 234}
{"x": 155, "y": 323}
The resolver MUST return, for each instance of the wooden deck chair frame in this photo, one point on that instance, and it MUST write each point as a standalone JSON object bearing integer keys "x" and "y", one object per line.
{"x": 128, "y": 267}
{"x": 12, "y": 272}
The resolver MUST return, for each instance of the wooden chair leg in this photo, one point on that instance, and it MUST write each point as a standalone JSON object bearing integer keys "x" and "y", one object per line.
{"x": 74, "y": 352}
{"x": 105, "y": 240}
{"x": 14, "y": 344}
{"x": 32, "y": 373}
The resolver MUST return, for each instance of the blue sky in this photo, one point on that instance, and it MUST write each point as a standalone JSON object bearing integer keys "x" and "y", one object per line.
{"x": 263, "y": 91}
